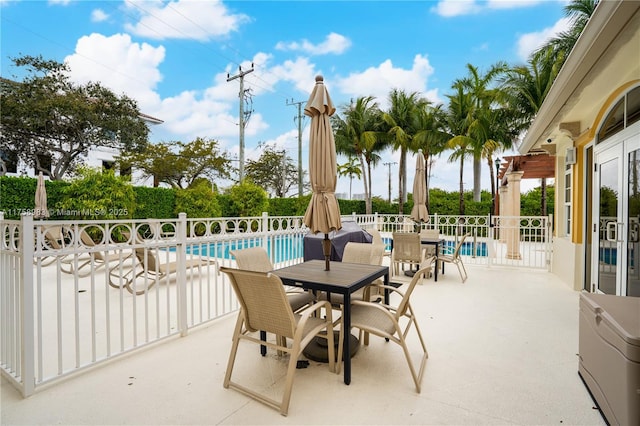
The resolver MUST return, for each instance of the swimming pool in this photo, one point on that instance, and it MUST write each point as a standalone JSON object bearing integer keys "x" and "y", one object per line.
{"x": 288, "y": 247}
{"x": 467, "y": 248}
{"x": 284, "y": 247}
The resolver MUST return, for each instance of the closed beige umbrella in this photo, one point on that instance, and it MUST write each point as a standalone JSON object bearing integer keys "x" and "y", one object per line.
{"x": 41, "y": 211}
{"x": 419, "y": 212}
{"x": 323, "y": 212}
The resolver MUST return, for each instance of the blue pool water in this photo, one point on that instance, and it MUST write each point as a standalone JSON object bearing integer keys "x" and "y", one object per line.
{"x": 286, "y": 247}
{"x": 467, "y": 248}
{"x": 292, "y": 247}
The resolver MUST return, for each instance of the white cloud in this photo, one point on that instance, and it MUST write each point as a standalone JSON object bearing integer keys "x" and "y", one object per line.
{"x": 132, "y": 69}
{"x": 184, "y": 19}
{"x": 527, "y": 43}
{"x": 511, "y": 4}
{"x": 60, "y": 2}
{"x": 99, "y": 15}
{"x": 299, "y": 72}
{"x": 379, "y": 81}
{"x": 333, "y": 44}
{"x": 450, "y": 8}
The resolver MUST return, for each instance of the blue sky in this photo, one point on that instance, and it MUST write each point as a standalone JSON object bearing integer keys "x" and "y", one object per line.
{"x": 174, "y": 57}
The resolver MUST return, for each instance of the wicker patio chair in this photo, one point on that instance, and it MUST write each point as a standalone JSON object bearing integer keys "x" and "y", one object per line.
{"x": 264, "y": 306}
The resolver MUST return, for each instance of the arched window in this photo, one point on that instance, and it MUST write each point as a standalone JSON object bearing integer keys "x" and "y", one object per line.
{"x": 623, "y": 114}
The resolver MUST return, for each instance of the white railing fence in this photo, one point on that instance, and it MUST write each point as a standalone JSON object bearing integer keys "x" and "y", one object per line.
{"x": 76, "y": 293}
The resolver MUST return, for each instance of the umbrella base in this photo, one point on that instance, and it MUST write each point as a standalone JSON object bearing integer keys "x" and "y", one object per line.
{"x": 317, "y": 350}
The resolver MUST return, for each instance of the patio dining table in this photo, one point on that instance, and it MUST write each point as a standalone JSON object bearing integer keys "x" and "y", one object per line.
{"x": 342, "y": 278}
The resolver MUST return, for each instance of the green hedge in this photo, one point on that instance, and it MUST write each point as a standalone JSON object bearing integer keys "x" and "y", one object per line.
{"x": 17, "y": 194}
{"x": 157, "y": 203}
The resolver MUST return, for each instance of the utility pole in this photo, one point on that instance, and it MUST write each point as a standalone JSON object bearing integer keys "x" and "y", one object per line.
{"x": 241, "y": 75}
{"x": 389, "y": 164}
{"x": 299, "y": 118}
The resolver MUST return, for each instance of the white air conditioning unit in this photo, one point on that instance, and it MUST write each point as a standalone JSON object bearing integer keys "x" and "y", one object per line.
{"x": 571, "y": 156}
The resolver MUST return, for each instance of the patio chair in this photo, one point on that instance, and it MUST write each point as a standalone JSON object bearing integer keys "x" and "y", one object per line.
{"x": 264, "y": 306}
{"x": 455, "y": 258}
{"x": 364, "y": 253}
{"x": 148, "y": 267}
{"x": 430, "y": 251}
{"x": 385, "y": 321}
{"x": 98, "y": 259}
{"x": 377, "y": 239}
{"x": 257, "y": 259}
{"x": 406, "y": 249}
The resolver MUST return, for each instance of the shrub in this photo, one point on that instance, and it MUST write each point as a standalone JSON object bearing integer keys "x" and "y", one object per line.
{"x": 97, "y": 194}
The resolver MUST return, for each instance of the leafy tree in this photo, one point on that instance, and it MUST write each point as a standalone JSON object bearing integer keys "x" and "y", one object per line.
{"x": 197, "y": 201}
{"x": 247, "y": 199}
{"x": 48, "y": 116}
{"x": 97, "y": 194}
{"x": 180, "y": 164}
{"x": 274, "y": 171}
{"x": 530, "y": 202}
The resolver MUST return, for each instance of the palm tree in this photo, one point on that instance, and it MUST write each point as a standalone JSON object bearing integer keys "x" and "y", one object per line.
{"x": 459, "y": 120}
{"x": 484, "y": 98}
{"x": 359, "y": 134}
{"x": 430, "y": 136}
{"x": 399, "y": 119}
{"x": 578, "y": 12}
{"x": 350, "y": 169}
{"x": 525, "y": 87}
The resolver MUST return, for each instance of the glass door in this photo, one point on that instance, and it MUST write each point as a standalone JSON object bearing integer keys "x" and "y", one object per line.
{"x": 607, "y": 229}
{"x": 633, "y": 219}
{"x": 616, "y": 214}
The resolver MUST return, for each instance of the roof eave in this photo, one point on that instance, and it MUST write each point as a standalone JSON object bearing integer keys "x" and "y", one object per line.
{"x": 600, "y": 31}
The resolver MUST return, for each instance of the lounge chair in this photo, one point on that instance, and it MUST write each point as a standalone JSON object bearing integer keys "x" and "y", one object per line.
{"x": 149, "y": 268}
{"x": 54, "y": 239}
{"x": 96, "y": 259}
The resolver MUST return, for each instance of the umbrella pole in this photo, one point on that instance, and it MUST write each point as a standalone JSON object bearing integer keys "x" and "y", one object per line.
{"x": 326, "y": 250}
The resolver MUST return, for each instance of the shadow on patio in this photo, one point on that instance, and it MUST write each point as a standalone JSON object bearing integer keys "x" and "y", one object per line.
{"x": 502, "y": 350}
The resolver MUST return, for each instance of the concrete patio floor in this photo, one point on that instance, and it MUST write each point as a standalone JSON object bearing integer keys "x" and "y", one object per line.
{"x": 502, "y": 350}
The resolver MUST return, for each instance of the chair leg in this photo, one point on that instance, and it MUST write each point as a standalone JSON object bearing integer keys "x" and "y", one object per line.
{"x": 234, "y": 350}
{"x": 417, "y": 376}
{"x": 462, "y": 270}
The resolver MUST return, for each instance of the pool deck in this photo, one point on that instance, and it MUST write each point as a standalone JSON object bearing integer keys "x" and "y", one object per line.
{"x": 503, "y": 351}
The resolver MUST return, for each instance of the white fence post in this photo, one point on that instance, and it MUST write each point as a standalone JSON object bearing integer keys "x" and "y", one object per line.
{"x": 27, "y": 306}
{"x": 181, "y": 258}
{"x": 265, "y": 235}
